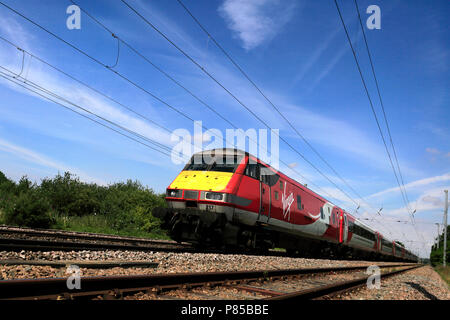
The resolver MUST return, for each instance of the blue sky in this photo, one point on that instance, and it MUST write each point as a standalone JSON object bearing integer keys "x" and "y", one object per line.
{"x": 297, "y": 53}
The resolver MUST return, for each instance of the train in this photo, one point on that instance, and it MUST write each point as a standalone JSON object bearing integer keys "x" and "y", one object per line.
{"x": 227, "y": 198}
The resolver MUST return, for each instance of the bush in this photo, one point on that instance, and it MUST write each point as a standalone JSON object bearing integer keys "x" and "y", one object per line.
{"x": 7, "y": 190}
{"x": 28, "y": 209}
{"x": 120, "y": 208}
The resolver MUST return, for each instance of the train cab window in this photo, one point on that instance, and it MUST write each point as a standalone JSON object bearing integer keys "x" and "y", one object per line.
{"x": 222, "y": 163}
{"x": 299, "y": 202}
{"x": 197, "y": 163}
{"x": 281, "y": 185}
{"x": 252, "y": 170}
{"x": 334, "y": 218}
{"x": 225, "y": 163}
{"x": 322, "y": 216}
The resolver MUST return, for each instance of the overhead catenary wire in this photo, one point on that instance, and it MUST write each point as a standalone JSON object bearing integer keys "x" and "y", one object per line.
{"x": 36, "y": 91}
{"x": 23, "y": 62}
{"x": 239, "y": 101}
{"x": 235, "y": 98}
{"x": 271, "y": 103}
{"x": 381, "y": 100}
{"x": 53, "y": 94}
{"x": 369, "y": 98}
{"x": 371, "y": 104}
{"x": 167, "y": 75}
{"x": 87, "y": 85}
{"x": 153, "y": 64}
{"x": 122, "y": 76}
{"x": 386, "y": 120}
{"x": 267, "y": 99}
{"x": 97, "y": 61}
{"x": 118, "y": 55}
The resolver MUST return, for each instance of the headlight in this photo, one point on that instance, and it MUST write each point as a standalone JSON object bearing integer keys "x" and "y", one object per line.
{"x": 214, "y": 196}
{"x": 174, "y": 193}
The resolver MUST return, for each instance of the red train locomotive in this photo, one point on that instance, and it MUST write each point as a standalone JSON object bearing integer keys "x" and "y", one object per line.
{"x": 229, "y": 198}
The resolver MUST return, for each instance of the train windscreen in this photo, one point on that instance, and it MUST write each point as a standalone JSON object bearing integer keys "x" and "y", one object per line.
{"x": 225, "y": 163}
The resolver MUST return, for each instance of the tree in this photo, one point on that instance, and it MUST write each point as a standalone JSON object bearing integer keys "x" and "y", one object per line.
{"x": 436, "y": 254}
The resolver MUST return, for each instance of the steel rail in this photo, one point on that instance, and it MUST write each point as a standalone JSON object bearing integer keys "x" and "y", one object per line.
{"x": 14, "y": 244}
{"x": 116, "y": 286}
{"x": 77, "y": 235}
{"x": 328, "y": 291}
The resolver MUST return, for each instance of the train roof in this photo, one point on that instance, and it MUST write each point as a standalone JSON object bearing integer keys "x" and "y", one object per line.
{"x": 233, "y": 151}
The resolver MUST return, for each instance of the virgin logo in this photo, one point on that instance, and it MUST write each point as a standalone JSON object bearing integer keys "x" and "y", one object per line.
{"x": 287, "y": 202}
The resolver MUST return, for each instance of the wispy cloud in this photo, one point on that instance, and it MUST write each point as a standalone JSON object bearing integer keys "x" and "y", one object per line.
{"x": 429, "y": 200}
{"x": 441, "y": 133}
{"x": 314, "y": 58}
{"x": 414, "y": 184}
{"x": 256, "y": 21}
{"x": 432, "y": 150}
{"x": 37, "y": 158}
{"x": 328, "y": 68}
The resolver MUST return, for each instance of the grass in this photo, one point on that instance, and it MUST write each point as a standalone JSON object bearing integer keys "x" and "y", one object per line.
{"x": 98, "y": 224}
{"x": 102, "y": 225}
{"x": 444, "y": 272}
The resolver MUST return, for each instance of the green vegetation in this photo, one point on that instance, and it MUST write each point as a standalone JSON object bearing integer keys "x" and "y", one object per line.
{"x": 444, "y": 272}
{"x": 436, "y": 255}
{"x": 65, "y": 202}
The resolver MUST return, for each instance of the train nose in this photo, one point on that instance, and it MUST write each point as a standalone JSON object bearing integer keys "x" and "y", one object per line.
{"x": 202, "y": 180}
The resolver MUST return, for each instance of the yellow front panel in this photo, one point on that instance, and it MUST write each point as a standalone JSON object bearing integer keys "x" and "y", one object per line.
{"x": 202, "y": 180}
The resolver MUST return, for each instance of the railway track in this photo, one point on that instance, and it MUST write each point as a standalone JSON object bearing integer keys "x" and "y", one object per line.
{"x": 9, "y": 230}
{"x": 17, "y": 239}
{"x": 14, "y": 244}
{"x": 14, "y": 239}
{"x": 265, "y": 284}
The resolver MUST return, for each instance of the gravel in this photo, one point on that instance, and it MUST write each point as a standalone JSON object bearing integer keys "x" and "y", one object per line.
{"x": 417, "y": 284}
{"x": 168, "y": 263}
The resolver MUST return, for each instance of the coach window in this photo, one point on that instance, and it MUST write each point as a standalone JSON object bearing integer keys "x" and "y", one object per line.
{"x": 299, "y": 202}
{"x": 334, "y": 219}
{"x": 281, "y": 185}
{"x": 352, "y": 227}
{"x": 321, "y": 213}
{"x": 276, "y": 195}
